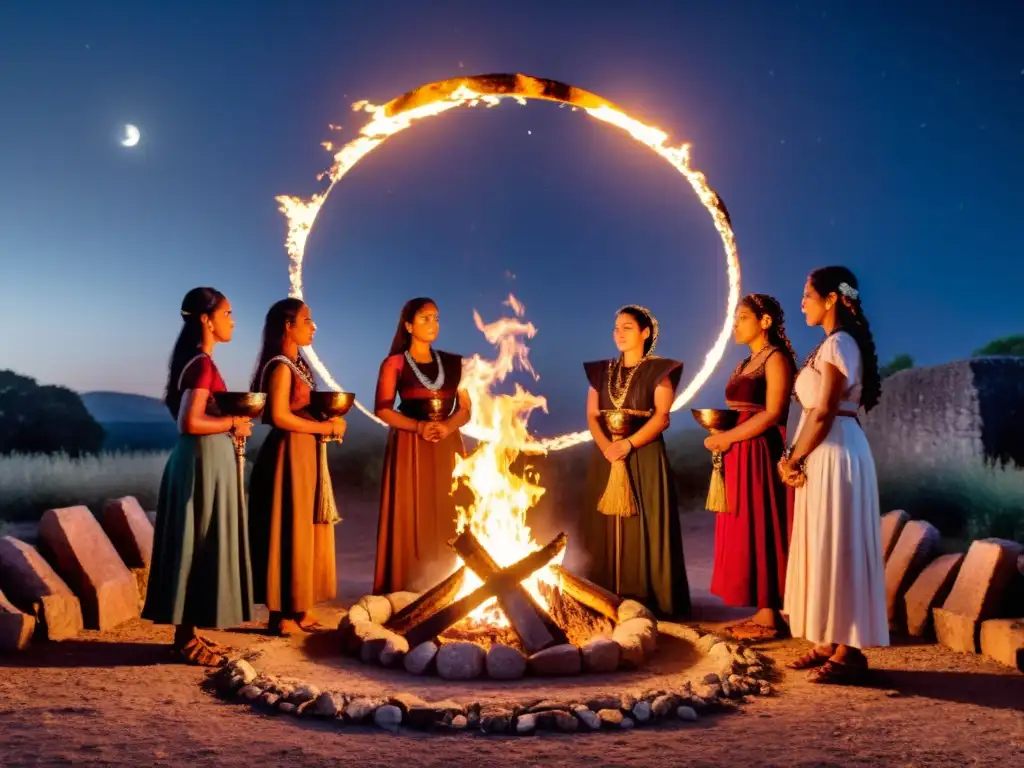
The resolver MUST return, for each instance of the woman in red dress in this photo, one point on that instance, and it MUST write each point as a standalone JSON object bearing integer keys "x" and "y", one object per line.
{"x": 292, "y": 556}
{"x": 752, "y": 538}
{"x": 200, "y": 575}
{"x": 417, "y": 509}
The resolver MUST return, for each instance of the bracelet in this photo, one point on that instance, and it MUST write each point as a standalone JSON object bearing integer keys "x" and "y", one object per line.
{"x": 631, "y": 446}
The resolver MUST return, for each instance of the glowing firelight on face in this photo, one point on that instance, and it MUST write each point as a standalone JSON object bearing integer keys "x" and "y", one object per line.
{"x": 436, "y": 98}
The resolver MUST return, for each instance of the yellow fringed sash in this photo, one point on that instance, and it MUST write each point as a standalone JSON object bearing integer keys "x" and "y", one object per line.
{"x": 717, "y": 500}
{"x": 618, "y": 498}
{"x": 325, "y": 509}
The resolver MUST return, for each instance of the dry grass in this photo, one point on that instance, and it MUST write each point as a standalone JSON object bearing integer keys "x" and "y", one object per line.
{"x": 964, "y": 502}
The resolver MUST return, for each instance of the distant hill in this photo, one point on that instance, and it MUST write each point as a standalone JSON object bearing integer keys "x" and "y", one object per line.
{"x": 107, "y": 407}
{"x": 142, "y": 423}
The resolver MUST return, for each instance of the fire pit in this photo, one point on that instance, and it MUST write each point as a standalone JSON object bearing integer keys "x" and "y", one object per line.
{"x": 575, "y": 626}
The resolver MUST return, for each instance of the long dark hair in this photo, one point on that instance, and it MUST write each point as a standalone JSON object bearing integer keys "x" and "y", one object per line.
{"x": 645, "y": 321}
{"x": 275, "y": 325}
{"x": 197, "y": 302}
{"x": 400, "y": 343}
{"x": 762, "y": 304}
{"x": 851, "y": 318}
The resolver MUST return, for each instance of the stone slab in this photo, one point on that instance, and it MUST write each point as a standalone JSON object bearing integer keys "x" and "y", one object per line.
{"x": 930, "y": 589}
{"x": 16, "y": 627}
{"x": 31, "y": 584}
{"x": 88, "y": 561}
{"x": 987, "y": 572}
{"x": 1003, "y": 640}
{"x": 129, "y": 530}
{"x": 914, "y": 549}
{"x": 892, "y": 525}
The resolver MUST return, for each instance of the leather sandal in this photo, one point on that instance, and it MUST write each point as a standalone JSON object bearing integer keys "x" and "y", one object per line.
{"x": 838, "y": 673}
{"x": 809, "y": 660}
{"x": 196, "y": 652}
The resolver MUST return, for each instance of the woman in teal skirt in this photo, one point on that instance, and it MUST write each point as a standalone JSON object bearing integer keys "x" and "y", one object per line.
{"x": 200, "y": 576}
{"x": 631, "y": 526}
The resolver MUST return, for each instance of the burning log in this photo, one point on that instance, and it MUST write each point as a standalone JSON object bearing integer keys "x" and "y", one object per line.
{"x": 426, "y": 605}
{"x": 536, "y": 629}
{"x": 579, "y": 622}
{"x": 501, "y": 582}
{"x": 590, "y": 594}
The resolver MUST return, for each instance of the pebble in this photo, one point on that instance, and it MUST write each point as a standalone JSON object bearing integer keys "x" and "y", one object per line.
{"x": 610, "y": 716}
{"x": 686, "y": 713}
{"x": 460, "y": 661}
{"x": 459, "y": 722}
{"x": 642, "y": 711}
{"x": 505, "y": 663}
{"x": 526, "y": 723}
{"x": 601, "y": 655}
{"x": 287, "y": 707}
{"x": 565, "y": 722}
{"x": 359, "y": 710}
{"x": 589, "y": 719}
{"x": 418, "y": 660}
{"x": 711, "y": 679}
{"x": 250, "y": 692}
{"x": 627, "y": 724}
{"x": 388, "y": 717}
{"x": 662, "y": 705}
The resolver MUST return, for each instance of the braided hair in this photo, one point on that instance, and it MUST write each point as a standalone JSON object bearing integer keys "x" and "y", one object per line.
{"x": 197, "y": 303}
{"x": 851, "y": 318}
{"x": 762, "y": 304}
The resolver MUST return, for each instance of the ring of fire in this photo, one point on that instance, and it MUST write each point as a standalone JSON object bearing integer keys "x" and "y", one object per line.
{"x": 435, "y": 98}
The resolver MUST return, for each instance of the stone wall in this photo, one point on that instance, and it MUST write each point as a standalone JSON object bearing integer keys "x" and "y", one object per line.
{"x": 965, "y": 411}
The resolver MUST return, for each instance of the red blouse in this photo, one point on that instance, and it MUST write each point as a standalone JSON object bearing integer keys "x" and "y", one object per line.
{"x": 201, "y": 373}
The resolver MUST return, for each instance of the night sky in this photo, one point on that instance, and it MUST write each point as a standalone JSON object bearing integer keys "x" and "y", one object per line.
{"x": 871, "y": 134}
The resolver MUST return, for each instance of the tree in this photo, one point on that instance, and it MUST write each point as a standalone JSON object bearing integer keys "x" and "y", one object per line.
{"x": 1008, "y": 345}
{"x": 899, "y": 363}
{"x": 44, "y": 419}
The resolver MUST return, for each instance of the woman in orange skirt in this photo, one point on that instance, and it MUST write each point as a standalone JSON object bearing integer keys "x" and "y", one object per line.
{"x": 417, "y": 509}
{"x": 292, "y": 556}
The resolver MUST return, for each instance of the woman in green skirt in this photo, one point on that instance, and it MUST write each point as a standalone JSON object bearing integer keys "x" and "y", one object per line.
{"x": 631, "y": 526}
{"x": 200, "y": 574}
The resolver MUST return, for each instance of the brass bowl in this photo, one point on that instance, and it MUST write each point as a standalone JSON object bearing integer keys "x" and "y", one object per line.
{"x": 715, "y": 419}
{"x": 240, "y": 404}
{"x": 326, "y": 405}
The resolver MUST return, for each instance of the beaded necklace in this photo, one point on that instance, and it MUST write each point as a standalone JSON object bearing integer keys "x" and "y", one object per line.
{"x": 434, "y": 385}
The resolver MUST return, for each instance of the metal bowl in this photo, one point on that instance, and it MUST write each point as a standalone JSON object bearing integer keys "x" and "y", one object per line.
{"x": 240, "y": 404}
{"x": 715, "y": 419}
{"x": 327, "y": 405}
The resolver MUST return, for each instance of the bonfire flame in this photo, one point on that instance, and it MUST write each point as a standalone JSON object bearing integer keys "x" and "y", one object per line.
{"x": 497, "y": 516}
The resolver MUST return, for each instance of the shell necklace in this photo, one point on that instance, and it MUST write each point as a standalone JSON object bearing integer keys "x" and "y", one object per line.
{"x": 434, "y": 385}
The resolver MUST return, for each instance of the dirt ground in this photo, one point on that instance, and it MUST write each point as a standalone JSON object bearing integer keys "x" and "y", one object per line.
{"x": 114, "y": 699}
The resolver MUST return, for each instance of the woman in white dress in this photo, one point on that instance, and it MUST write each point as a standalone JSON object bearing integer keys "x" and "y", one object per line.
{"x": 835, "y": 585}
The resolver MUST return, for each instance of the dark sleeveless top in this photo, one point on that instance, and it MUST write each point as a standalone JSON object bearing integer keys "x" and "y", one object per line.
{"x": 749, "y": 391}
{"x": 397, "y": 378}
{"x": 638, "y": 407}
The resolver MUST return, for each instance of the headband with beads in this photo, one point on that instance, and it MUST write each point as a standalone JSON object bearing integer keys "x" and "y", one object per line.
{"x": 654, "y": 324}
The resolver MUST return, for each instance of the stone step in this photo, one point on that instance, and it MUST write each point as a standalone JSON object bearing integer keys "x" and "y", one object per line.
{"x": 987, "y": 572}
{"x": 84, "y": 556}
{"x": 16, "y": 627}
{"x": 32, "y": 585}
{"x": 915, "y": 548}
{"x": 892, "y": 525}
{"x": 930, "y": 589}
{"x": 1003, "y": 640}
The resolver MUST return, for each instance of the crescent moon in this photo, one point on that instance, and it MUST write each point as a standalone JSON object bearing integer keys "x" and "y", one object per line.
{"x": 131, "y": 136}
